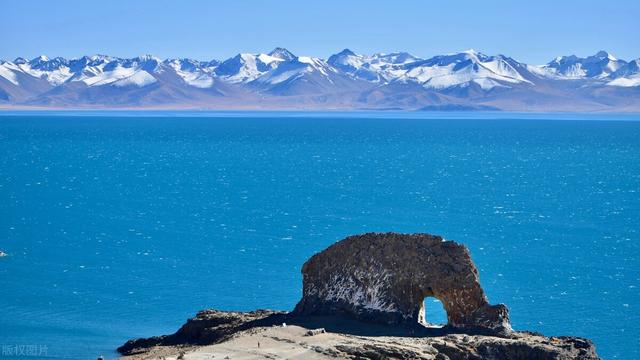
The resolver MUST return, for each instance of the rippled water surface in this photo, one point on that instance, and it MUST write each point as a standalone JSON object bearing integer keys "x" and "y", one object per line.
{"x": 123, "y": 225}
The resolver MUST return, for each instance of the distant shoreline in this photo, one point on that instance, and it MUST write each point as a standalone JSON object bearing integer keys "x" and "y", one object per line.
{"x": 5, "y": 108}
{"x": 308, "y": 114}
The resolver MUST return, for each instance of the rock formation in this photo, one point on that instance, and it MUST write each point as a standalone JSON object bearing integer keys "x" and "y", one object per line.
{"x": 386, "y": 277}
{"x": 372, "y": 286}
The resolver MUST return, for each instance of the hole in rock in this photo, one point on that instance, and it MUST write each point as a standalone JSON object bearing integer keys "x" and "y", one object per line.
{"x": 435, "y": 314}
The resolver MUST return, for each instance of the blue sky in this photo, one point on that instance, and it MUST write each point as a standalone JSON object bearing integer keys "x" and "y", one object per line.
{"x": 530, "y": 31}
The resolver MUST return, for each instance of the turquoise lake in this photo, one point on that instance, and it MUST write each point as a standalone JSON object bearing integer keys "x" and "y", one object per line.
{"x": 123, "y": 224}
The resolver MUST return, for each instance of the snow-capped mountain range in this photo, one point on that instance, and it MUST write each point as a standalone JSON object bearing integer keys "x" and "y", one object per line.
{"x": 346, "y": 80}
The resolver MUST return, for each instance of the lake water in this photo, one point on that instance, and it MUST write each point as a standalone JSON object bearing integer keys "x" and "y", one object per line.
{"x": 122, "y": 225}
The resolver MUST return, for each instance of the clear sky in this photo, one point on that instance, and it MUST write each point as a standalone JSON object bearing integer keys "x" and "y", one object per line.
{"x": 530, "y": 31}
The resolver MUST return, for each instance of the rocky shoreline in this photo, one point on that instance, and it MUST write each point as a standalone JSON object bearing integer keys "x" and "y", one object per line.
{"x": 278, "y": 335}
{"x": 363, "y": 299}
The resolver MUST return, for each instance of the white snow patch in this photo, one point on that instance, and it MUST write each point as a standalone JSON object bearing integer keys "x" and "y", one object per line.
{"x": 202, "y": 81}
{"x": 55, "y": 77}
{"x": 541, "y": 70}
{"x": 248, "y": 70}
{"x": 93, "y": 76}
{"x": 140, "y": 79}
{"x": 625, "y": 82}
{"x": 487, "y": 74}
{"x": 306, "y": 60}
{"x": 268, "y": 59}
{"x": 284, "y": 76}
{"x": 487, "y": 84}
{"x": 315, "y": 63}
{"x": 197, "y": 78}
{"x": 8, "y": 74}
{"x": 502, "y": 68}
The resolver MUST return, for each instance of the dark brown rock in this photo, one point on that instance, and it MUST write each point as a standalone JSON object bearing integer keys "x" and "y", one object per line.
{"x": 208, "y": 327}
{"x": 385, "y": 277}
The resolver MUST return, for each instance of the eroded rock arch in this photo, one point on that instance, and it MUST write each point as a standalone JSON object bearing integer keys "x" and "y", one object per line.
{"x": 384, "y": 277}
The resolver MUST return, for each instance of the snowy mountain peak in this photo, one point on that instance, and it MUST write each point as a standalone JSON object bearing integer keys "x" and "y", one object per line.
{"x": 474, "y": 55}
{"x": 600, "y": 65}
{"x": 184, "y": 64}
{"x": 98, "y": 58}
{"x": 92, "y": 60}
{"x": 395, "y": 80}
{"x": 605, "y": 55}
{"x": 45, "y": 64}
{"x": 563, "y": 59}
{"x": 40, "y": 58}
{"x": 246, "y": 67}
{"x": 345, "y": 59}
{"x": 146, "y": 62}
{"x": 282, "y": 53}
{"x": 346, "y": 52}
{"x": 465, "y": 69}
{"x": 627, "y": 75}
{"x": 357, "y": 66}
{"x": 147, "y": 57}
{"x": 394, "y": 58}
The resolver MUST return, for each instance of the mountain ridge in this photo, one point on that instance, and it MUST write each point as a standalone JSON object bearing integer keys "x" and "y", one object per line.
{"x": 346, "y": 80}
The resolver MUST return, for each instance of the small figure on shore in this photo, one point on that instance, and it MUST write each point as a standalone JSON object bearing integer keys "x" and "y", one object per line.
{"x": 258, "y": 344}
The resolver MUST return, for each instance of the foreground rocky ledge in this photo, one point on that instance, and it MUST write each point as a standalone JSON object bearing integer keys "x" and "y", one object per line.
{"x": 261, "y": 335}
{"x": 363, "y": 298}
